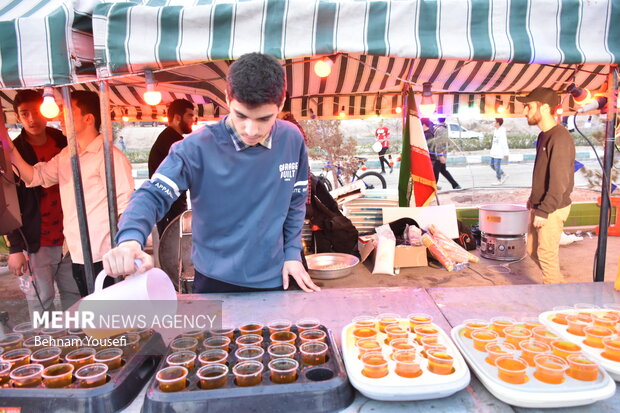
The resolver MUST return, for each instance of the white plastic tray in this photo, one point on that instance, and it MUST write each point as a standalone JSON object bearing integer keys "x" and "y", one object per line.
{"x": 396, "y": 388}
{"x": 534, "y": 393}
{"x": 612, "y": 367}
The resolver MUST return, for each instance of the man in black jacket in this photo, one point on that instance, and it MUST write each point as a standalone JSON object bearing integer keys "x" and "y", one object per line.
{"x": 37, "y": 247}
{"x": 180, "y": 119}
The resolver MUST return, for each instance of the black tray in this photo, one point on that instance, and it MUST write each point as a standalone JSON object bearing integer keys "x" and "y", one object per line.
{"x": 122, "y": 386}
{"x": 322, "y": 388}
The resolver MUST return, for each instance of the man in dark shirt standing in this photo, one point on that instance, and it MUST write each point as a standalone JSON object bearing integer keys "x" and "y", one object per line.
{"x": 37, "y": 245}
{"x": 180, "y": 119}
{"x": 552, "y": 182}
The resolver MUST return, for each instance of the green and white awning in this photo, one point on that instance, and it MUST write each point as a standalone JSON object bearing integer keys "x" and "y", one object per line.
{"x": 45, "y": 42}
{"x": 158, "y": 34}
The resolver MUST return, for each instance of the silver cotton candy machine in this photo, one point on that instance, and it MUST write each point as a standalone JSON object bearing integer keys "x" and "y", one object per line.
{"x": 503, "y": 230}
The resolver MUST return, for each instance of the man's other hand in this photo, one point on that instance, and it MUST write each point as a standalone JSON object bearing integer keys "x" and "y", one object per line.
{"x": 120, "y": 260}
{"x": 296, "y": 270}
{"x": 539, "y": 222}
{"x": 18, "y": 263}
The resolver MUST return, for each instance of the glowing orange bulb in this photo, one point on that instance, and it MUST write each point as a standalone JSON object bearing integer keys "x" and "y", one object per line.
{"x": 125, "y": 118}
{"x": 399, "y": 109}
{"x": 323, "y": 68}
{"x": 49, "y": 108}
{"x": 152, "y": 97}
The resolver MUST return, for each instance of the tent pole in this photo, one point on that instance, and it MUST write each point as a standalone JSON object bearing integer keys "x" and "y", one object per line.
{"x": 78, "y": 187}
{"x": 108, "y": 142}
{"x": 608, "y": 161}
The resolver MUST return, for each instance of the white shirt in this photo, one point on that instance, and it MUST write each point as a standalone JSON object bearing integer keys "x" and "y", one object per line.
{"x": 58, "y": 171}
{"x": 499, "y": 148}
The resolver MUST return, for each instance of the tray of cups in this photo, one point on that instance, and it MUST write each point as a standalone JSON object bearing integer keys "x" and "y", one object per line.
{"x": 278, "y": 367}
{"x": 60, "y": 368}
{"x": 396, "y": 359}
{"x": 589, "y": 329}
{"x": 521, "y": 364}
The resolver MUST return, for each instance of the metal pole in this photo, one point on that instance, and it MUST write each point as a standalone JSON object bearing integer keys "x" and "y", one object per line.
{"x": 80, "y": 204}
{"x": 108, "y": 142}
{"x": 608, "y": 161}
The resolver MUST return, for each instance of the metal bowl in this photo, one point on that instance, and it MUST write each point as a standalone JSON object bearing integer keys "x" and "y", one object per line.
{"x": 331, "y": 265}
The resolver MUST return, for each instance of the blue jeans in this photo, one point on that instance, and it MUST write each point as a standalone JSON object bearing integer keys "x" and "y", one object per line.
{"x": 496, "y": 165}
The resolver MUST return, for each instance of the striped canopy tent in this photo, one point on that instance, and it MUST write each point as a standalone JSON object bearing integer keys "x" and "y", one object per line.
{"x": 45, "y": 42}
{"x": 476, "y": 54}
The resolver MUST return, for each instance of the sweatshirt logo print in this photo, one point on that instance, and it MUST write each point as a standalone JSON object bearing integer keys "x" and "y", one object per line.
{"x": 166, "y": 185}
{"x": 288, "y": 170}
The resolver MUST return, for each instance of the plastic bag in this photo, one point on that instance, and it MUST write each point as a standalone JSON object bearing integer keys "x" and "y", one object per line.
{"x": 413, "y": 235}
{"x": 384, "y": 256}
{"x": 25, "y": 283}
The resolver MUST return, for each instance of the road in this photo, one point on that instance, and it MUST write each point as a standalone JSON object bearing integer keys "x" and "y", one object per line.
{"x": 482, "y": 176}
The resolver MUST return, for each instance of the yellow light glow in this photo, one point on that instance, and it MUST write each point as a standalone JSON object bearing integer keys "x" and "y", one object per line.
{"x": 125, "y": 118}
{"x": 501, "y": 109}
{"x": 398, "y": 109}
{"x": 152, "y": 97}
{"x": 164, "y": 119}
{"x": 49, "y": 108}
{"x": 323, "y": 68}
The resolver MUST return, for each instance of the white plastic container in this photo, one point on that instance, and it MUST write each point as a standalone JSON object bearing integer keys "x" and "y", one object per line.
{"x": 612, "y": 367}
{"x": 533, "y": 393}
{"x": 396, "y": 388}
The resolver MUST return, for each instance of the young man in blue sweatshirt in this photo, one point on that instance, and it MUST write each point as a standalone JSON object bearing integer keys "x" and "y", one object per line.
{"x": 247, "y": 176}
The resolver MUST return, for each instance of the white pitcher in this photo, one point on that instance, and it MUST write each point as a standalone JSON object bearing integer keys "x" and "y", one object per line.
{"x": 148, "y": 294}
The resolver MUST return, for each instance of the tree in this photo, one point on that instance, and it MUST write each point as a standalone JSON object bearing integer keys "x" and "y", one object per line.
{"x": 327, "y": 141}
{"x": 595, "y": 176}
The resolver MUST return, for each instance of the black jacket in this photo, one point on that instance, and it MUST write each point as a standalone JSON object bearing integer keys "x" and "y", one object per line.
{"x": 158, "y": 153}
{"x": 29, "y": 197}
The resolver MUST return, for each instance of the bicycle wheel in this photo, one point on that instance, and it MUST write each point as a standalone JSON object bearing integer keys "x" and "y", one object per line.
{"x": 325, "y": 181}
{"x": 373, "y": 180}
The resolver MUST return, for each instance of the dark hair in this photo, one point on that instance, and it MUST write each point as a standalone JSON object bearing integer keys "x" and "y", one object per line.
{"x": 178, "y": 107}
{"x": 88, "y": 102}
{"x": 500, "y": 121}
{"x": 256, "y": 79}
{"x": 426, "y": 122}
{"x": 27, "y": 95}
{"x": 441, "y": 120}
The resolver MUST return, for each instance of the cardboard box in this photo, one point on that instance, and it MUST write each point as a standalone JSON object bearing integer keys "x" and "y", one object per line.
{"x": 404, "y": 255}
{"x": 409, "y": 256}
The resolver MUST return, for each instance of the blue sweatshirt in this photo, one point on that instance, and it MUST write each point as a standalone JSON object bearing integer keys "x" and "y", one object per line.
{"x": 248, "y": 205}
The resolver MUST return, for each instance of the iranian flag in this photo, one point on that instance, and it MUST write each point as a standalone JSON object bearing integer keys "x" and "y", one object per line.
{"x": 416, "y": 184}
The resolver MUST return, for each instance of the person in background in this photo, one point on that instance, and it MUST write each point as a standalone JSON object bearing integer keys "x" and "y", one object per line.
{"x": 427, "y": 127}
{"x": 36, "y": 247}
{"x": 248, "y": 179}
{"x": 180, "y": 119}
{"x": 121, "y": 144}
{"x": 439, "y": 146}
{"x": 58, "y": 171}
{"x": 552, "y": 182}
{"x": 382, "y": 135}
{"x": 499, "y": 150}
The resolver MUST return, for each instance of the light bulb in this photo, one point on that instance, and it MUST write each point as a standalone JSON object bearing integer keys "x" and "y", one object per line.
{"x": 500, "y": 109}
{"x": 322, "y": 68}
{"x": 49, "y": 108}
{"x": 398, "y": 109}
{"x": 559, "y": 110}
{"x": 152, "y": 97}
{"x": 164, "y": 119}
{"x": 427, "y": 105}
{"x": 342, "y": 113}
{"x": 125, "y": 118}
